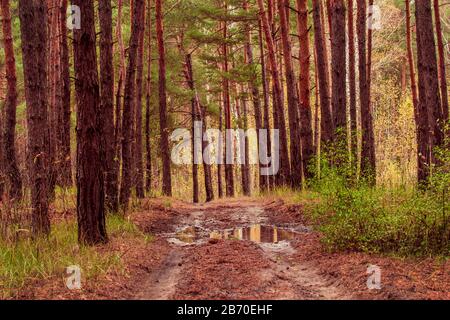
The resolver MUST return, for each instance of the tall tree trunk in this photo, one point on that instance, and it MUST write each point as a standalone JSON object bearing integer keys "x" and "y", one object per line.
{"x": 430, "y": 112}
{"x": 128, "y": 107}
{"x": 220, "y": 155}
{"x": 339, "y": 68}
{"x": 139, "y": 166}
{"x": 33, "y": 15}
{"x": 107, "y": 102}
{"x": 206, "y": 166}
{"x": 189, "y": 75}
{"x": 285, "y": 170}
{"x": 119, "y": 95}
{"x": 292, "y": 97}
{"x": 442, "y": 72}
{"x": 164, "y": 143}
{"x": 229, "y": 179}
{"x": 243, "y": 141}
{"x": 265, "y": 181}
{"x": 255, "y": 93}
{"x": 148, "y": 151}
{"x": 65, "y": 112}
{"x": 369, "y": 50}
{"x": 52, "y": 78}
{"x": 352, "y": 82}
{"x": 326, "y": 125}
{"x": 304, "y": 87}
{"x": 368, "y": 144}
{"x": 90, "y": 175}
{"x": 316, "y": 113}
{"x": 10, "y": 162}
{"x": 412, "y": 72}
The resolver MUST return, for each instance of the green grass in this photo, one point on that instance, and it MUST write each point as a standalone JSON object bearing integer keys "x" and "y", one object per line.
{"x": 30, "y": 259}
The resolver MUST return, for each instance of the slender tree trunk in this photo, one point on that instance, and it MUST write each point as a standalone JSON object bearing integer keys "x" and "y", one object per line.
{"x": 368, "y": 144}
{"x": 430, "y": 112}
{"x": 369, "y": 51}
{"x": 265, "y": 181}
{"x": 148, "y": 151}
{"x": 139, "y": 166}
{"x": 206, "y": 166}
{"x": 285, "y": 170}
{"x": 352, "y": 82}
{"x": 304, "y": 87}
{"x": 65, "y": 112}
{"x": 107, "y": 102}
{"x": 339, "y": 68}
{"x": 244, "y": 143}
{"x": 412, "y": 72}
{"x": 52, "y": 78}
{"x": 292, "y": 97}
{"x": 229, "y": 179}
{"x": 316, "y": 112}
{"x": 255, "y": 93}
{"x": 220, "y": 154}
{"x": 326, "y": 125}
{"x": 11, "y": 168}
{"x": 164, "y": 143}
{"x": 119, "y": 95}
{"x": 128, "y": 108}
{"x": 90, "y": 175}
{"x": 33, "y": 15}
{"x": 442, "y": 72}
{"x": 189, "y": 75}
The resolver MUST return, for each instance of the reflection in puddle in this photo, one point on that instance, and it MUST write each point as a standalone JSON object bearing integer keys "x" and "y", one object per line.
{"x": 257, "y": 233}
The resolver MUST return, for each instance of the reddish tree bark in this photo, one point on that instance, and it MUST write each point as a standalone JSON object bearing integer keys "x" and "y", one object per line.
{"x": 107, "y": 103}
{"x": 368, "y": 144}
{"x": 304, "y": 87}
{"x": 292, "y": 97}
{"x": 352, "y": 80}
{"x": 265, "y": 183}
{"x": 65, "y": 111}
{"x": 139, "y": 165}
{"x": 148, "y": 151}
{"x": 53, "y": 73}
{"x": 189, "y": 75}
{"x": 338, "y": 63}
{"x": 33, "y": 15}
{"x": 164, "y": 143}
{"x": 326, "y": 125}
{"x": 412, "y": 72}
{"x": 119, "y": 93}
{"x": 255, "y": 92}
{"x": 442, "y": 72}
{"x": 229, "y": 179}
{"x": 128, "y": 108}
{"x": 8, "y": 143}
{"x": 429, "y": 112}
{"x": 285, "y": 171}
{"x": 90, "y": 175}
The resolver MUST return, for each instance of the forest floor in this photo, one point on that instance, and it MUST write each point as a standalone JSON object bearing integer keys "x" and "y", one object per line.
{"x": 243, "y": 249}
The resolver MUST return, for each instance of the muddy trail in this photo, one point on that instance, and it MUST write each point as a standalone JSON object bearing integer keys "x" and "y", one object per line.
{"x": 236, "y": 250}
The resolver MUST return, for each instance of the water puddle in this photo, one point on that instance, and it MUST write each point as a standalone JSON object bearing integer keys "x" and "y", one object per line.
{"x": 257, "y": 233}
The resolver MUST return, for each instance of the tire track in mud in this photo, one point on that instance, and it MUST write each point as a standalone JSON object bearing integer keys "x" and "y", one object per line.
{"x": 230, "y": 269}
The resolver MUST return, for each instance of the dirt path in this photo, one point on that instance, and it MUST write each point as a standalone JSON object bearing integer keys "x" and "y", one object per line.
{"x": 235, "y": 250}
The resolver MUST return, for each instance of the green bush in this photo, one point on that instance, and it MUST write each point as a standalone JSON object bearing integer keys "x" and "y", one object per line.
{"x": 370, "y": 219}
